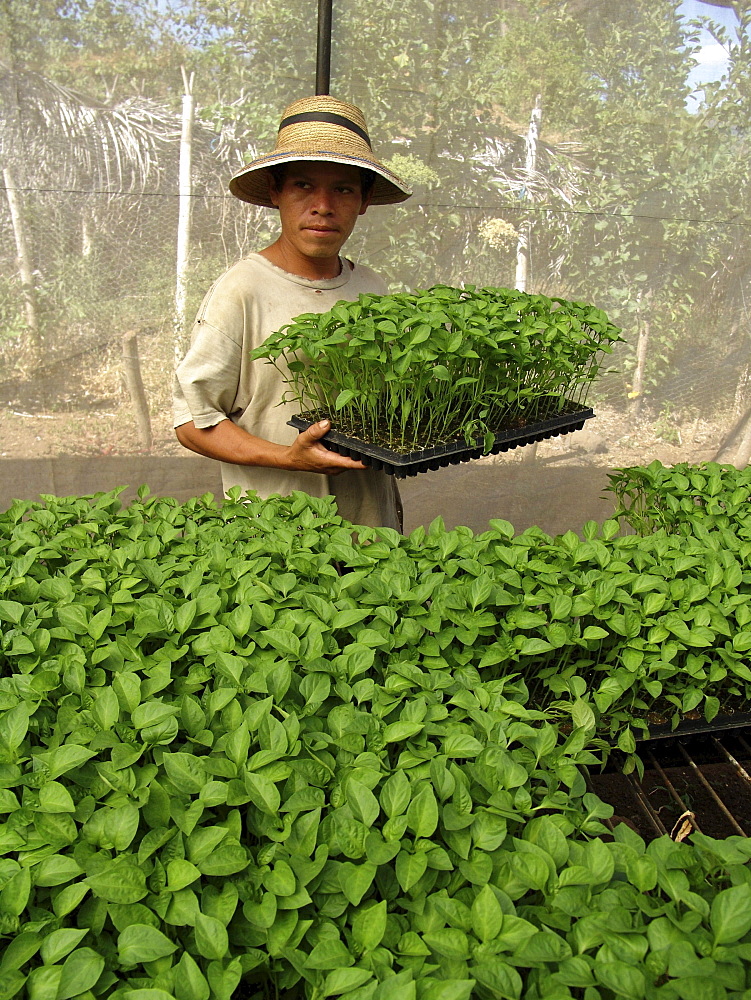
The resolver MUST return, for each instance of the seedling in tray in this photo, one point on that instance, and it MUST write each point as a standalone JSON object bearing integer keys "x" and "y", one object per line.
{"x": 412, "y": 372}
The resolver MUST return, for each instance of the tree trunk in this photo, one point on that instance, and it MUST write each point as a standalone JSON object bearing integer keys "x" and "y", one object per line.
{"x": 523, "y": 246}
{"x": 641, "y": 363}
{"x": 23, "y": 256}
{"x": 183, "y": 222}
{"x": 736, "y": 446}
{"x": 523, "y": 250}
{"x": 134, "y": 382}
{"x": 86, "y": 245}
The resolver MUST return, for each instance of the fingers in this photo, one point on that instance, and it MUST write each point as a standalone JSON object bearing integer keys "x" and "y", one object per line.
{"x": 309, "y": 455}
{"x": 316, "y": 431}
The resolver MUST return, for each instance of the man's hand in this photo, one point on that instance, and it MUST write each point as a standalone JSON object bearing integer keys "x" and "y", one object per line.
{"x": 307, "y": 454}
{"x": 226, "y": 442}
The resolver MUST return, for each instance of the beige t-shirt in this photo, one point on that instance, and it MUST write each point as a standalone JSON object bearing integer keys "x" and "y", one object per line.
{"x": 217, "y": 379}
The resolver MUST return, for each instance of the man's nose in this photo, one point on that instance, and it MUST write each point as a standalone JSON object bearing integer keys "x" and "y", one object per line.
{"x": 322, "y": 202}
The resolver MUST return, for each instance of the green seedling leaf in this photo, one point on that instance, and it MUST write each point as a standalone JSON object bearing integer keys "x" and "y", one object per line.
{"x": 80, "y": 973}
{"x": 263, "y": 792}
{"x": 487, "y": 916}
{"x": 211, "y": 937}
{"x": 140, "y": 943}
{"x": 59, "y": 943}
{"x": 369, "y": 927}
{"x": 185, "y": 771}
{"x": 122, "y": 882}
{"x": 341, "y": 981}
{"x": 190, "y": 983}
{"x": 730, "y": 914}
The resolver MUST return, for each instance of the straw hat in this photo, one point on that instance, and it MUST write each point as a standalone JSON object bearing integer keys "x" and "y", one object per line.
{"x": 319, "y": 128}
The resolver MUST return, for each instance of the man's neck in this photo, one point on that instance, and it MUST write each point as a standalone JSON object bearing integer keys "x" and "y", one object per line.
{"x": 313, "y": 268}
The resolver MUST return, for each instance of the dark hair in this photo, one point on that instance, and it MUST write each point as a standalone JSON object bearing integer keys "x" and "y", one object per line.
{"x": 279, "y": 174}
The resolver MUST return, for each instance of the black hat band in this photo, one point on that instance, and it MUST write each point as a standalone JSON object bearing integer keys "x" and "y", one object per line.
{"x": 329, "y": 119}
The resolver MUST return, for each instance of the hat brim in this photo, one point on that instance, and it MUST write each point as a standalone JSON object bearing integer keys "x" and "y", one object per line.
{"x": 251, "y": 183}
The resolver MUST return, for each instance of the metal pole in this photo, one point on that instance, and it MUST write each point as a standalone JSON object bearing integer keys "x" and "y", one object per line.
{"x": 323, "y": 52}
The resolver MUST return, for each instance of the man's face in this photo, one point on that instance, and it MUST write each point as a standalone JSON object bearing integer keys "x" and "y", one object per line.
{"x": 318, "y": 206}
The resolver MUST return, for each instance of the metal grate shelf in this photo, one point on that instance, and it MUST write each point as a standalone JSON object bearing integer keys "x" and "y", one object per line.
{"x": 691, "y": 782}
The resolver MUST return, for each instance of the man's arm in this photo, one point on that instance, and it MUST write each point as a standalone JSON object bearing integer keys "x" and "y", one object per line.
{"x": 227, "y": 442}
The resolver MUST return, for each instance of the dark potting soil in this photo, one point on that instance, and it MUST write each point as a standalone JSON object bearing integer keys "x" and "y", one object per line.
{"x": 678, "y": 776}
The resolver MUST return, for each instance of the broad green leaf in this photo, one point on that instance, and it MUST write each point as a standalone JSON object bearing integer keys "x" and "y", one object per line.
{"x": 57, "y": 944}
{"x": 18, "y": 951}
{"x": 396, "y": 732}
{"x": 642, "y": 873}
{"x": 264, "y": 793}
{"x": 56, "y": 870}
{"x": 487, "y": 915}
{"x": 410, "y": 868}
{"x": 185, "y": 771}
{"x": 543, "y": 946}
{"x": 362, "y": 802}
{"x": 55, "y": 798}
{"x": 122, "y": 826}
{"x": 67, "y": 758}
{"x": 225, "y": 860}
{"x": 461, "y": 746}
{"x": 280, "y": 880}
{"x": 13, "y": 726}
{"x": 445, "y": 989}
{"x": 147, "y": 994}
{"x": 68, "y": 898}
{"x": 139, "y": 943}
{"x": 497, "y": 976}
{"x": 344, "y": 981}
{"x": 122, "y": 882}
{"x": 355, "y": 880}
{"x": 80, "y": 972}
{"x": 106, "y": 709}
{"x": 369, "y": 926}
{"x": 11, "y": 611}
{"x": 190, "y": 983}
{"x": 43, "y": 982}
{"x": 624, "y": 980}
{"x": 211, "y": 937}
{"x": 224, "y": 978}
{"x": 730, "y": 914}
{"x": 395, "y": 794}
{"x": 75, "y": 618}
{"x": 181, "y": 873}
{"x": 422, "y": 814}
{"x": 14, "y": 895}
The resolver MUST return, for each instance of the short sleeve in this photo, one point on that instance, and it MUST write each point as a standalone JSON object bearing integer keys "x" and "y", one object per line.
{"x": 207, "y": 379}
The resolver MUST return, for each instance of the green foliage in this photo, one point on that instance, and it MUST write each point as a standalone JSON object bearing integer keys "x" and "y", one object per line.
{"x": 241, "y": 749}
{"x": 676, "y": 497}
{"x": 416, "y": 370}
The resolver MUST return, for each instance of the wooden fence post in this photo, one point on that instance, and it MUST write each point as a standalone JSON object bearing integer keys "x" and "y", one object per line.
{"x": 134, "y": 382}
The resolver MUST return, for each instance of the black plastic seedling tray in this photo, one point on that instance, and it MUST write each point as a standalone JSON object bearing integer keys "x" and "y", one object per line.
{"x": 696, "y": 727}
{"x": 401, "y": 466}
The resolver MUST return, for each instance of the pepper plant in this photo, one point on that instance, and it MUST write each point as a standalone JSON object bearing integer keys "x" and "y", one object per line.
{"x": 244, "y": 753}
{"x": 674, "y": 497}
{"x": 414, "y": 370}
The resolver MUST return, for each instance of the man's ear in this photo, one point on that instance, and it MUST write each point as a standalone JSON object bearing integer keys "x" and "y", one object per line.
{"x": 366, "y": 202}
{"x": 273, "y": 192}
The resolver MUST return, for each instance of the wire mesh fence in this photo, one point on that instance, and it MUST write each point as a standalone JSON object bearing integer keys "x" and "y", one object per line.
{"x": 561, "y": 147}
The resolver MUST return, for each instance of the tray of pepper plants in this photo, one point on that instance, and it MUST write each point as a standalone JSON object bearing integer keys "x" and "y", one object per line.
{"x": 415, "y": 381}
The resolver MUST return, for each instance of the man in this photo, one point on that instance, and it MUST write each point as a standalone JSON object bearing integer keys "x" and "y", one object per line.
{"x": 321, "y": 177}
